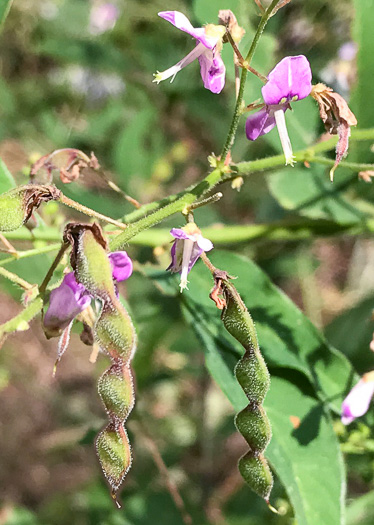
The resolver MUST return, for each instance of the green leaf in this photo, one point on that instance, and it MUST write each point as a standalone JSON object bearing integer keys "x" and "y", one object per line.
{"x": 307, "y": 459}
{"x": 6, "y": 178}
{"x": 363, "y": 91}
{"x": 4, "y": 10}
{"x": 289, "y": 340}
{"x": 352, "y": 331}
{"x": 309, "y": 192}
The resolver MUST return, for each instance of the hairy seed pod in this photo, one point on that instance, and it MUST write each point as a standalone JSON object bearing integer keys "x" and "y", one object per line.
{"x": 253, "y": 376}
{"x": 115, "y": 334}
{"x": 17, "y": 205}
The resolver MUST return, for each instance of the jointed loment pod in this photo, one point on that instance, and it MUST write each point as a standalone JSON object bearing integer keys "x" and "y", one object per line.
{"x": 252, "y": 374}
{"x": 115, "y": 334}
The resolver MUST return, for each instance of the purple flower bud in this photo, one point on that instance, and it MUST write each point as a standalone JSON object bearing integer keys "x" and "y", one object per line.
{"x": 357, "y": 402}
{"x": 65, "y": 303}
{"x": 186, "y": 249}
{"x": 207, "y": 50}
{"x": 289, "y": 81}
{"x": 121, "y": 266}
{"x": 71, "y": 298}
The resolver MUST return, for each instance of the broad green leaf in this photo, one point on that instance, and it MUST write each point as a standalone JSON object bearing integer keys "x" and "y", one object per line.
{"x": 309, "y": 192}
{"x": 287, "y": 338}
{"x": 4, "y": 10}
{"x": 363, "y": 90}
{"x": 352, "y": 332}
{"x": 307, "y": 459}
{"x": 6, "y": 178}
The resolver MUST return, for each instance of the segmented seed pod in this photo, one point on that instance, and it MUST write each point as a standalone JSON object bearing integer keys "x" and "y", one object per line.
{"x": 17, "y": 205}
{"x": 253, "y": 376}
{"x": 115, "y": 334}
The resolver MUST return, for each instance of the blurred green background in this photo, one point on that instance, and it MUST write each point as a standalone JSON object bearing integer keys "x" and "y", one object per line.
{"x": 67, "y": 80}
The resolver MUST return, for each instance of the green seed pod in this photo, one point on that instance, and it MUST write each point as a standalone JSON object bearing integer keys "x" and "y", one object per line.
{"x": 117, "y": 391}
{"x": 253, "y": 424}
{"x": 17, "y": 205}
{"x": 256, "y": 472}
{"x": 253, "y": 376}
{"x": 115, "y": 332}
{"x": 91, "y": 263}
{"x": 114, "y": 453}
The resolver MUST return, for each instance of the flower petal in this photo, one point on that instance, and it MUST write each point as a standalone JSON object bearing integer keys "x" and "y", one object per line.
{"x": 179, "y": 233}
{"x": 65, "y": 303}
{"x": 259, "y": 123}
{"x": 196, "y": 252}
{"x": 358, "y": 400}
{"x": 180, "y": 21}
{"x": 176, "y": 256}
{"x": 204, "y": 244}
{"x": 290, "y": 78}
{"x": 121, "y": 265}
{"x": 212, "y": 71}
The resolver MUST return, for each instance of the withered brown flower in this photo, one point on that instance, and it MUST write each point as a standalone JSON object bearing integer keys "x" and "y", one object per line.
{"x": 337, "y": 118}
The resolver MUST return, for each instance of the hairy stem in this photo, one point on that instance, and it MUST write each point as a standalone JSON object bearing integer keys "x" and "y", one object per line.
{"x": 15, "y": 279}
{"x": 239, "y": 102}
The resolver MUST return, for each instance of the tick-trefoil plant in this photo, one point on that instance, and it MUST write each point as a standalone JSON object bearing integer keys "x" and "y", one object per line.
{"x": 87, "y": 291}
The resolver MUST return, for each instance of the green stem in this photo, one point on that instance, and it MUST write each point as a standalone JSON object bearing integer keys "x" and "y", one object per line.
{"x": 15, "y": 279}
{"x": 180, "y": 205}
{"x": 91, "y": 213}
{"x": 239, "y": 102}
{"x": 31, "y": 253}
{"x": 286, "y": 230}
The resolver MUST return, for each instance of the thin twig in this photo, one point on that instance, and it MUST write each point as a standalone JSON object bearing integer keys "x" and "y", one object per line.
{"x": 160, "y": 464}
{"x": 259, "y": 5}
{"x": 241, "y": 60}
{"x": 15, "y": 279}
{"x": 91, "y": 213}
{"x": 10, "y": 248}
{"x": 55, "y": 263}
{"x": 279, "y": 6}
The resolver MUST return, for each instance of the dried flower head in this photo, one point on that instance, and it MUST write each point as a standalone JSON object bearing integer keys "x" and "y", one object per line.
{"x": 337, "y": 118}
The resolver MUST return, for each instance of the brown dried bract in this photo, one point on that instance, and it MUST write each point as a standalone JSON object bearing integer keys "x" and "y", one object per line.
{"x": 68, "y": 161}
{"x": 35, "y": 195}
{"x": 366, "y": 175}
{"x": 217, "y": 290}
{"x": 337, "y": 118}
{"x": 228, "y": 19}
{"x": 72, "y": 232}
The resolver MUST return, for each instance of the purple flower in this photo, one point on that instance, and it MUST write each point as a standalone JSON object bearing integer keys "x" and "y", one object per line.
{"x": 207, "y": 50}
{"x": 71, "y": 298}
{"x": 103, "y": 17}
{"x": 289, "y": 81}
{"x": 357, "y": 402}
{"x": 189, "y": 244}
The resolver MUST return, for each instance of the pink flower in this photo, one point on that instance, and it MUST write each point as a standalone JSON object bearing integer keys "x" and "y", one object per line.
{"x": 289, "y": 81}
{"x": 189, "y": 244}
{"x": 103, "y": 17}
{"x": 71, "y": 298}
{"x": 207, "y": 50}
{"x": 357, "y": 402}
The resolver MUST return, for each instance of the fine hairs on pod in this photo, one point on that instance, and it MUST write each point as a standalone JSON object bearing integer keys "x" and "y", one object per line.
{"x": 252, "y": 374}
{"x": 115, "y": 334}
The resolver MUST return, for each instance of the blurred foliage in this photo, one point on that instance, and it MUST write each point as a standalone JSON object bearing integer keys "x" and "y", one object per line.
{"x": 63, "y": 85}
